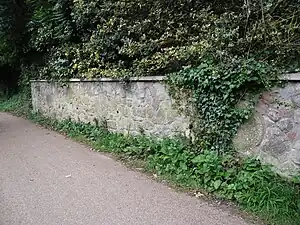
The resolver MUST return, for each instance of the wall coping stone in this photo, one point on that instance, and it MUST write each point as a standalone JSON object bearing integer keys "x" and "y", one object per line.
{"x": 291, "y": 77}
{"x": 286, "y": 77}
{"x": 104, "y": 79}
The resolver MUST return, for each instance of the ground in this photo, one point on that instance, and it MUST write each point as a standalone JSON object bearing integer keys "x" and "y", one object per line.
{"x": 47, "y": 179}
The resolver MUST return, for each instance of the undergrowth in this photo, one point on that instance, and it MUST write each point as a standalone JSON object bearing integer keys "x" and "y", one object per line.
{"x": 19, "y": 104}
{"x": 253, "y": 186}
{"x": 222, "y": 97}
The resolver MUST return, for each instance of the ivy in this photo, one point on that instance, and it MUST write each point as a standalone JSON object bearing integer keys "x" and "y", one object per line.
{"x": 141, "y": 37}
{"x": 218, "y": 92}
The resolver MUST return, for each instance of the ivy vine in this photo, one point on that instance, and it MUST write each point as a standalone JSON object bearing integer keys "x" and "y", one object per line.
{"x": 223, "y": 97}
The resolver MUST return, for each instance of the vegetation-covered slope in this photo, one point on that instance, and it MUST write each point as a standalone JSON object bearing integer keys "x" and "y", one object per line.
{"x": 83, "y": 38}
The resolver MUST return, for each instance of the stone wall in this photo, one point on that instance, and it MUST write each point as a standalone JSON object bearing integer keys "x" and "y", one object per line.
{"x": 140, "y": 106}
{"x": 273, "y": 134}
{"x": 144, "y": 106}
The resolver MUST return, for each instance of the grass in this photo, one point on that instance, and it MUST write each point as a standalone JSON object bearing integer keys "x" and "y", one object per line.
{"x": 246, "y": 182}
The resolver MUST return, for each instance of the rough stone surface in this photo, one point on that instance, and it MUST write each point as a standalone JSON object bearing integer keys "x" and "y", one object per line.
{"x": 296, "y": 100}
{"x": 285, "y": 125}
{"x": 295, "y": 157}
{"x": 278, "y": 130}
{"x": 272, "y": 135}
{"x": 250, "y": 135}
{"x": 134, "y": 107}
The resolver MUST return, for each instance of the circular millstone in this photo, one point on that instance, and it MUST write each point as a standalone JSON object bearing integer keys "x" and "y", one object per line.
{"x": 249, "y": 135}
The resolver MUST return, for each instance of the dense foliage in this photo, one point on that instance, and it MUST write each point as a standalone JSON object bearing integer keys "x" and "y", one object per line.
{"x": 13, "y": 40}
{"x": 218, "y": 50}
{"x": 146, "y": 37}
{"x": 222, "y": 96}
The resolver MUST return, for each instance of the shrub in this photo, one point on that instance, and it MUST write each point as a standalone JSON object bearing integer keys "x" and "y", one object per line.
{"x": 148, "y": 37}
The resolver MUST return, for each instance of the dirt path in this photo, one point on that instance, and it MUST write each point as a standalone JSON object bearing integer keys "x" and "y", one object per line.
{"x": 46, "y": 179}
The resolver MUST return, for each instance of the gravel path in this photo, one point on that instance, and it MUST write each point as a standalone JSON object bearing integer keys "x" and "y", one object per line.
{"x": 46, "y": 179}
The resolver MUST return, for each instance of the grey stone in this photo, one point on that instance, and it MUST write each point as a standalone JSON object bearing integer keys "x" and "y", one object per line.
{"x": 48, "y": 100}
{"x": 287, "y": 112}
{"x": 285, "y": 125}
{"x": 179, "y": 126}
{"x": 273, "y": 133}
{"x": 297, "y": 145}
{"x": 112, "y": 125}
{"x": 249, "y": 135}
{"x": 297, "y": 116}
{"x": 287, "y": 92}
{"x": 296, "y": 100}
{"x": 146, "y": 125}
{"x": 160, "y": 116}
{"x": 268, "y": 122}
{"x": 274, "y": 114}
{"x": 276, "y": 147}
{"x": 268, "y": 97}
{"x": 286, "y": 166}
{"x": 275, "y": 142}
{"x": 295, "y": 157}
{"x": 297, "y": 87}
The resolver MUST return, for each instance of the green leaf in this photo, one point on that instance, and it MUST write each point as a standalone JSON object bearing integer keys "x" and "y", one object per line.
{"x": 183, "y": 166}
{"x": 217, "y": 184}
{"x": 199, "y": 159}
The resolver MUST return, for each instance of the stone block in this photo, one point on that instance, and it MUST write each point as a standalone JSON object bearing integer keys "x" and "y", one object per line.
{"x": 276, "y": 147}
{"x": 296, "y": 100}
{"x": 111, "y": 124}
{"x": 250, "y": 135}
{"x": 297, "y": 116}
{"x": 287, "y": 92}
{"x": 294, "y": 156}
{"x": 267, "y": 97}
{"x": 285, "y": 125}
{"x": 274, "y": 114}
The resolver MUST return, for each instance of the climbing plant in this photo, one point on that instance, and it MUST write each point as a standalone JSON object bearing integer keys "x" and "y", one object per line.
{"x": 142, "y": 37}
{"x": 222, "y": 96}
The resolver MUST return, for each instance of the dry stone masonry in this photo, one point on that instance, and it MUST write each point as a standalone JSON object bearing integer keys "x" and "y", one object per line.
{"x": 140, "y": 106}
{"x": 273, "y": 134}
{"x": 144, "y": 106}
